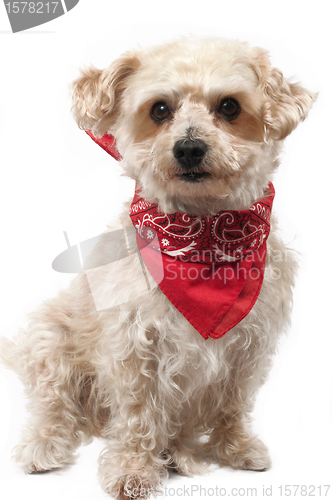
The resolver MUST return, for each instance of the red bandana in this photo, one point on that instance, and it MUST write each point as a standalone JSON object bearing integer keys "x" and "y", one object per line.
{"x": 107, "y": 142}
{"x": 212, "y": 267}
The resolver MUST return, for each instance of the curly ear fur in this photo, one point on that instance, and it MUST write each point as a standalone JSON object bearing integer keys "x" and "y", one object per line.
{"x": 287, "y": 104}
{"x": 96, "y": 94}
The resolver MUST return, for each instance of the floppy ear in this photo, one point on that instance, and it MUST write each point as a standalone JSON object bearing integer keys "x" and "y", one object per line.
{"x": 97, "y": 94}
{"x": 286, "y": 103}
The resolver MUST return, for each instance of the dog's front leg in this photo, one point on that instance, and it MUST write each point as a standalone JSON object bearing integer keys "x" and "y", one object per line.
{"x": 54, "y": 433}
{"x": 132, "y": 464}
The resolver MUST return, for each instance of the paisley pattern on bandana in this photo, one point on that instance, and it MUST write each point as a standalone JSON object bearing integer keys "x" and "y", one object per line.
{"x": 226, "y": 237}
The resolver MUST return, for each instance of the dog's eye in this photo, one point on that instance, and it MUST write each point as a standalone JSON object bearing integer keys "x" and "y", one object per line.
{"x": 160, "y": 111}
{"x": 230, "y": 108}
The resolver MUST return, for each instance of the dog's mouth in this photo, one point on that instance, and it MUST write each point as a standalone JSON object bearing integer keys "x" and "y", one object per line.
{"x": 194, "y": 176}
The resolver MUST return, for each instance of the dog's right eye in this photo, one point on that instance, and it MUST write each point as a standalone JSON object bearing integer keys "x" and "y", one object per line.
{"x": 160, "y": 111}
{"x": 229, "y": 108}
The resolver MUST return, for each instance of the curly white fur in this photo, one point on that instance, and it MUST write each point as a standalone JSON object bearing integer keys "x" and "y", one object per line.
{"x": 138, "y": 374}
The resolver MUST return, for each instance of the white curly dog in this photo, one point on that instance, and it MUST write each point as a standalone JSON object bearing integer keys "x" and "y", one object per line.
{"x": 198, "y": 123}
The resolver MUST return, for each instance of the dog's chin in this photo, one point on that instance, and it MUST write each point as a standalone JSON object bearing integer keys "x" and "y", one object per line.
{"x": 194, "y": 177}
{"x": 198, "y": 193}
{"x": 198, "y": 182}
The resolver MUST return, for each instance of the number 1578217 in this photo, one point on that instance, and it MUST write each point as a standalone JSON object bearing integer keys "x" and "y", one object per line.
{"x": 31, "y": 7}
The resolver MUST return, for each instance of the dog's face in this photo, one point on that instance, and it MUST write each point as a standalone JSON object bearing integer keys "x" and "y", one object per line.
{"x": 197, "y": 121}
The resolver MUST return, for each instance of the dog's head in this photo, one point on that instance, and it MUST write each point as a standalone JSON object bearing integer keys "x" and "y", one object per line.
{"x": 198, "y": 122}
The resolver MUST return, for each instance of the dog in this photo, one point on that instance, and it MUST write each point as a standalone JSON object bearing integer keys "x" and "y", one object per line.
{"x": 198, "y": 124}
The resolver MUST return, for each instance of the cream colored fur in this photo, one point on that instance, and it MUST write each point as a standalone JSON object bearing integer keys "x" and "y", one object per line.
{"x": 138, "y": 374}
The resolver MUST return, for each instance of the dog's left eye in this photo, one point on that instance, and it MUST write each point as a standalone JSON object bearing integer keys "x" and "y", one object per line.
{"x": 230, "y": 108}
{"x": 160, "y": 111}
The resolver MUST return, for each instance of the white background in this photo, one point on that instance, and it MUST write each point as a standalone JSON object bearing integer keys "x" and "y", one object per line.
{"x": 54, "y": 178}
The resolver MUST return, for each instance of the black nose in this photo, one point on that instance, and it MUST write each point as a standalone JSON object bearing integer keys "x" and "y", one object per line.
{"x": 189, "y": 152}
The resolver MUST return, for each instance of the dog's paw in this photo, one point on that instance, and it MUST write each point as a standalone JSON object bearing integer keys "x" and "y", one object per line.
{"x": 133, "y": 487}
{"x": 186, "y": 463}
{"x": 254, "y": 456}
{"x": 127, "y": 478}
{"x": 42, "y": 454}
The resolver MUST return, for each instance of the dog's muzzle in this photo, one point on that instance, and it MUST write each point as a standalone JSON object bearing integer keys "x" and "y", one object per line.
{"x": 189, "y": 154}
